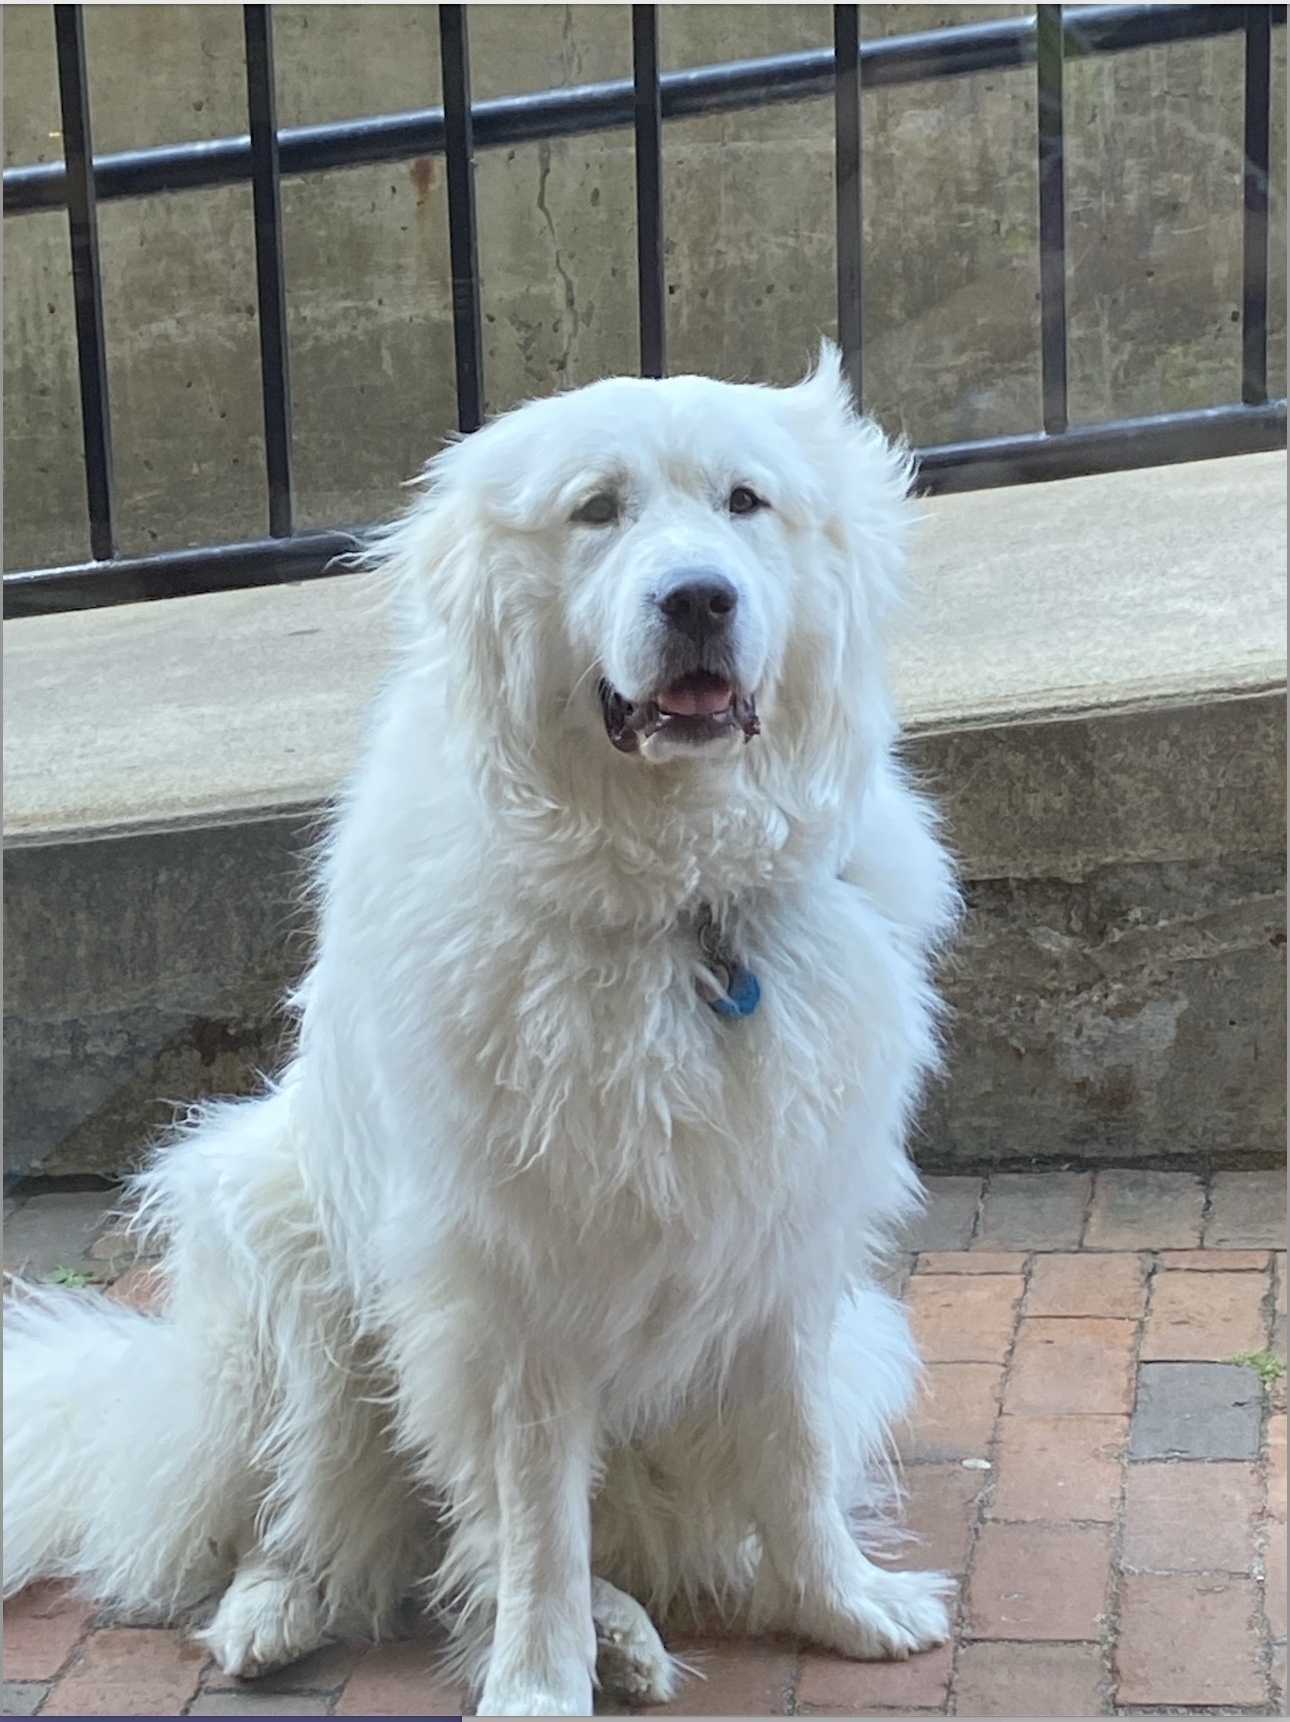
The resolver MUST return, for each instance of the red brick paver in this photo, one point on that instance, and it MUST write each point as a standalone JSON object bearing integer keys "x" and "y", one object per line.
{"x": 1089, "y": 1582}
{"x": 141, "y": 1287}
{"x": 1060, "y": 1468}
{"x": 401, "y": 1679}
{"x": 41, "y": 1629}
{"x": 1189, "y": 1640}
{"x": 1036, "y": 1581}
{"x": 956, "y": 1412}
{"x": 1069, "y": 1285}
{"x": 1186, "y": 1518}
{"x": 941, "y": 1509}
{"x": 1062, "y": 1367}
{"x": 324, "y": 1671}
{"x": 254, "y": 1704}
{"x": 129, "y": 1671}
{"x": 840, "y": 1687}
{"x": 978, "y": 1262}
{"x": 1031, "y": 1680}
{"x": 1276, "y": 1465}
{"x": 962, "y": 1319}
{"x": 756, "y": 1679}
{"x": 1214, "y": 1261}
{"x": 1205, "y": 1316}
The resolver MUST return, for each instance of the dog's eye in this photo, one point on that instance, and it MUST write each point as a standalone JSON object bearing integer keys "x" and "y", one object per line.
{"x": 598, "y": 510}
{"x": 744, "y": 501}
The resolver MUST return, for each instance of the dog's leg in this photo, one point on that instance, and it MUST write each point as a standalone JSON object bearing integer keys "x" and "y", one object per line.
{"x": 818, "y": 1582}
{"x": 632, "y": 1661}
{"x": 266, "y": 1618}
{"x": 544, "y": 1642}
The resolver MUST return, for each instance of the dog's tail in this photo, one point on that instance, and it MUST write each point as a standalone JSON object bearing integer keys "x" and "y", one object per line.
{"x": 130, "y": 1439}
{"x": 110, "y": 1442}
{"x": 875, "y": 1373}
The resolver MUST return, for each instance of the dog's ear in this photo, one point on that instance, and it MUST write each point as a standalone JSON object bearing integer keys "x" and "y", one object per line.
{"x": 422, "y": 555}
{"x": 825, "y": 388}
{"x": 441, "y": 563}
{"x": 866, "y": 477}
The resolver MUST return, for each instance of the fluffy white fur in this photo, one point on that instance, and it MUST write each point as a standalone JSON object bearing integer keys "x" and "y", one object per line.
{"x": 532, "y": 1267}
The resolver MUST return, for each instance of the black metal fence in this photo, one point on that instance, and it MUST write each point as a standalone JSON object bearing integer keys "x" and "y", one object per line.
{"x": 461, "y": 127}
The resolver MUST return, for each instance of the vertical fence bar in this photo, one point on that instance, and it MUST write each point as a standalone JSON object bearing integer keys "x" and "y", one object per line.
{"x": 270, "y": 276}
{"x": 648, "y": 122}
{"x": 850, "y": 209}
{"x": 1049, "y": 55}
{"x": 1254, "y": 287}
{"x": 463, "y": 231}
{"x": 87, "y": 284}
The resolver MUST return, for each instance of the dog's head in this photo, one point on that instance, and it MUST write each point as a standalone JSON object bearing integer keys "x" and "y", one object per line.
{"x": 643, "y": 574}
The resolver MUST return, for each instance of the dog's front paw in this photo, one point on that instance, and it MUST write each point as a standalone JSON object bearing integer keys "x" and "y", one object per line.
{"x": 888, "y": 1616}
{"x": 630, "y": 1657}
{"x": 265, "y": 1619}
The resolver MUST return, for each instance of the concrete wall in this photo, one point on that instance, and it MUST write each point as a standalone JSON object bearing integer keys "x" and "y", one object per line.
{"x": 1154, "y": 199}
{"x": 1117, "y": 993}
{"x": 142, "y": 974}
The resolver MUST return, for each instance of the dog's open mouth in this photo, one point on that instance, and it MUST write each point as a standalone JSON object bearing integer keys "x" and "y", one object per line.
{"x": 696, "y": 708}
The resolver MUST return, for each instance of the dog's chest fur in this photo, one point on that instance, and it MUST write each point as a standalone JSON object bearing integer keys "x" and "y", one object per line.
{"x": 594, "y": 1059}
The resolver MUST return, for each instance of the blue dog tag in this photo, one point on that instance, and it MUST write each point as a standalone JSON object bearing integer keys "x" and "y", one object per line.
{"x": 742, "y": 995}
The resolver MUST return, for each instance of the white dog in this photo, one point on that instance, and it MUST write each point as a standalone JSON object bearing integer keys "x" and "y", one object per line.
{"x": 546, "y": 1268}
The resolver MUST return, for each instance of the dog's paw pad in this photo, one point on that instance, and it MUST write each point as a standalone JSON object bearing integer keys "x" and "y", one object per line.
{"x": 637, "y": 1673}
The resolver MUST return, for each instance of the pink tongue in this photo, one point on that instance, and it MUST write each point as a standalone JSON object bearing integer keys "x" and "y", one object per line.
{"x": 695, "y": 697}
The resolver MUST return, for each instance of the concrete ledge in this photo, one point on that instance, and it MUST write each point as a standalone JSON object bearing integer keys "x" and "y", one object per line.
{"x": 1093, "y": 685}
{"x": 1118, "y": 990}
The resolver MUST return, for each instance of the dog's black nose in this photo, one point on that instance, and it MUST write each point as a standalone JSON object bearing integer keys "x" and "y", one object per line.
{"x": 700, "y": 605}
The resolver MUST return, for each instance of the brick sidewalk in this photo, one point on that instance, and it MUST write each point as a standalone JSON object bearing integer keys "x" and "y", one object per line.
{"x": 1107, "y": 1484}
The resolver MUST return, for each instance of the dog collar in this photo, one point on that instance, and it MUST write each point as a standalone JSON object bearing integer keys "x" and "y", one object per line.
{"x": 741, "y": 991}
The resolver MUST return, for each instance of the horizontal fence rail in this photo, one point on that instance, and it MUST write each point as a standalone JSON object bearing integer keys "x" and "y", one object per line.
{"x": 460, "y": 128}
{"x": 958, "y": 51}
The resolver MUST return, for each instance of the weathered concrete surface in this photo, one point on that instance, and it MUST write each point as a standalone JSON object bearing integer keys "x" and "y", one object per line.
{"x": 1118, "y": 986}
{"x": 1153, "y": 197}
{"x": 141, "y": 973}
{"x": 1138, "y": 1014}
{"x": 1093, "y": 691}
{"x": 1203, "y": 781}
{"x": 1140, "y": 588}
{"x": 192, "y": 711}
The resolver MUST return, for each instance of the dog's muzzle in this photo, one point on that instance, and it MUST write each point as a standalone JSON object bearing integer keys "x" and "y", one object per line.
{"x": 698, "y": 707}
{"x": 698, "y": 699}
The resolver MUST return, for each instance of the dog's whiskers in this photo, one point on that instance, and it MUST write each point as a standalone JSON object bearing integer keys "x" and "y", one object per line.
{"x": 591, "y": 669}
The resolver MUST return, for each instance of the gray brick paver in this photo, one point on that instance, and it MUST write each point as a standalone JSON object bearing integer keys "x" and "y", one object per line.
{"x": 322, "y": 1671}
{"x": 259, "y": 1704}
{"x": 1247, "y": 1211}
{"x": 1034, "y": 1211}
{"x": 1136, "y": 1210}
{"x": 1196, "y": 1411}
{"x": 54, "y": 1231}
{"x": 21, "y": 1697}
{"x": 946, "y": 1222}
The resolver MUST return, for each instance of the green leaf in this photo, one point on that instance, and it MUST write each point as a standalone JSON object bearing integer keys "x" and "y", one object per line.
{"x": 1266, "y": 1364}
